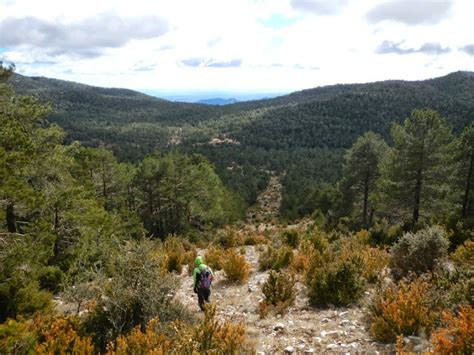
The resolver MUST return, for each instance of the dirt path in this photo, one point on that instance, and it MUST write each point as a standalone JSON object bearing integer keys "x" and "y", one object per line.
{"x": 303, "y": 329}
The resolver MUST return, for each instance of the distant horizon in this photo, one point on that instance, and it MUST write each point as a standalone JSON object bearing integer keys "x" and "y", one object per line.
{"x": 195, "y": 95}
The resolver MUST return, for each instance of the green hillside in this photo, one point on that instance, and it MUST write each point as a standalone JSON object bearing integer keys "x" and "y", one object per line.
{"x": 301, "y": 135}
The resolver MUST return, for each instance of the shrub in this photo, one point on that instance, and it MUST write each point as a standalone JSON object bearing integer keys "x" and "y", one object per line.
{"x": 291, "y": 238}
{"x": 457, "y": 337}
{"x": 138, "y": 342}
{"x": 453, "y": 287}
{"x": 275, "y": 259}
{"x": 403, "y": 310}
{"x": 44, "y": 334}
{"x": 302, "y": 260}
{"x": 175, "y": 253}
{"x": 418, "y": 252}
{"x": 235, "y": 267}
{"x": 279, "y": 290}
{"x": 189, "y": 259}
{"x": 227, "y": 238}
{"x": 62, "y": 338}
{"x": 382, "y": 233}
{"x": 374, "y": 261}
{"x": 209, "y": 337}
{"x": 136, "y": 290}
{"x": 464, "y": 255}
{"x": 263, "y": 309}
{"x": 18, "y": 337}
{"x": 173, "y": 262}
{"x": 318, "y": 240}
{"x": 215, "y": 257}
{"x": 219, "y": 338}
{"x": 50, "y": 278}
{"x": 255, "y": 239}
{"x": 31, "y": 299}
{"x": 339, "y": 283}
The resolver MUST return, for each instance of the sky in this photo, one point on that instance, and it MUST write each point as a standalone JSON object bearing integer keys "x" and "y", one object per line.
{"x": 236, "y": 45}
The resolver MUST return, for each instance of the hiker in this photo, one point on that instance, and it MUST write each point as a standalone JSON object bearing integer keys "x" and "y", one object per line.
{"x": 203, "y": 277}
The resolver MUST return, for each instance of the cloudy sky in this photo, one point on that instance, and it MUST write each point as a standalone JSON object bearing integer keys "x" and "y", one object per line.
{"x": 254, "y": 45}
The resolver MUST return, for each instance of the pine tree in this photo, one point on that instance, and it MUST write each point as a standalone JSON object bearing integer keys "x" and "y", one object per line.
{"x": 466, "y": 169}
{"x": 415, "y": 175}
{"x": 361, "y": 171}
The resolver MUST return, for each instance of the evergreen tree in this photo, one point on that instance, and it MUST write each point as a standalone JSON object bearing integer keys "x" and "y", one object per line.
{"x": 361, "y": 171}
{"x": 466, "y": 169}
{"x": 415, "y": 175}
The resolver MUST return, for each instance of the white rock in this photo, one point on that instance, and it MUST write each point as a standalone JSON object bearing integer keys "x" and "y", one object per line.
{"x": 345, "y": 322}
{"x": 332, "y": 346}
{"x": 354, "y": 345}
{"x": 289, "y": 350}
{"x": 342, "y": 314}
{"x": 318, "y": 339}
{"x": 309, "y": 351}
{"x": 325, "y": 320}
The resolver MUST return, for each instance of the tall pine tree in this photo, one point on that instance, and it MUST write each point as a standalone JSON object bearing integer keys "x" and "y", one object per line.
{"x": 415, "y": 175}
{"x": 361, "y": 171}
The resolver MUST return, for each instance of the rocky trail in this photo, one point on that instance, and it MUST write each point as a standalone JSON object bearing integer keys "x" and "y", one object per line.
{"x": 302, "y": 329}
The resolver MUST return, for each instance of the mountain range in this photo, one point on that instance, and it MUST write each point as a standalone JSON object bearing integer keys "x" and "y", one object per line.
{"x": 301, "y": 136}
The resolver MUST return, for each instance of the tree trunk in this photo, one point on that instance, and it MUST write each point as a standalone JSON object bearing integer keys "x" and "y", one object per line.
{"x": 366, "y": 200}
{"x": 468, "y": 188}
{"x": 416, "y": 205}
{"x": 10, "y": 218}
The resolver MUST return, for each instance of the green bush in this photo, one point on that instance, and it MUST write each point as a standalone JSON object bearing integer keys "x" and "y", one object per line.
{"x": 382, "y": 233}
{"x": 291, "y": 238}
{"x": 339, "y": 283}
{"x": 275, "y": 259}
{"x": 226, "y": 238}
{"x": 31, "y": 299}
{"x": 136, "y": 291}
{"x": 279, "y": 290}
{"x": 50, "y": 278}
{"x": 418, "y": 252}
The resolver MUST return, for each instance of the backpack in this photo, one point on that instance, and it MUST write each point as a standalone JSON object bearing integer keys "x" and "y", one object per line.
{"x": 205, "y": 279}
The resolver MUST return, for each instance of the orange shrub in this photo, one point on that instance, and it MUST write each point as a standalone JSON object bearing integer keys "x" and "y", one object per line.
{"x": 209, "y": 337}
{"x": 217, "y": 337}
{"x": 236, "y": 267}
{"x": 458, "y": 335}
{"x": 215, "y": 257}
{"x": 403, "y": 310}
{"x": 374, "y": 261}
{"x": 137, "y": 342}
{"x": 62, "y": 338}
{"x": 44, "y": 335}
{"x": 302, "y": 260}
{"x": 255, "y": 239}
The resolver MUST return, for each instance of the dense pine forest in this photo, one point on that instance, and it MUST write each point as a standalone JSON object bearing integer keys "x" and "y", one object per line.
{"x": 108, "y": 195}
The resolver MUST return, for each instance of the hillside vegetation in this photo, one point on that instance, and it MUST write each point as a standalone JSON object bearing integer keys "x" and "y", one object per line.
{"x": 301, "y": 135}
{"x": 96, "y": 252}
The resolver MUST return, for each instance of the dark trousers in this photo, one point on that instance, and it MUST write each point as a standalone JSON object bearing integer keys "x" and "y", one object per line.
{"x": 203, "y": 296}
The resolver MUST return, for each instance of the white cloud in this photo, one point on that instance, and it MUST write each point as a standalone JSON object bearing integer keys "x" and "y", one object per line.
{"x": 234, "y": 44}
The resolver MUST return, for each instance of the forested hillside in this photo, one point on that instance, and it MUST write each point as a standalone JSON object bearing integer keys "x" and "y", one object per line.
{"x": 301, "y": 136}
{"x": 96, "y": 252}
